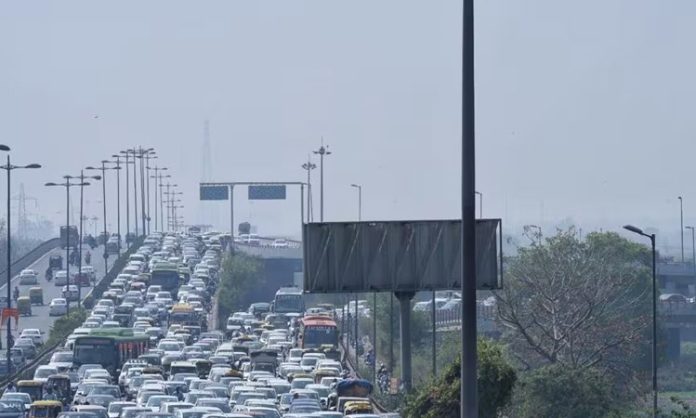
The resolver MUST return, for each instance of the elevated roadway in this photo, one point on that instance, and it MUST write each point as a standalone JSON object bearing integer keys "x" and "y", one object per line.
{"x": 40, "y": 318}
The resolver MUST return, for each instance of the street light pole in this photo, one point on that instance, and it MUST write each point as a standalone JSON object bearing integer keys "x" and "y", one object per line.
{"x": 118, "y": 199}
{"x": 309, "y": 166}
{"x": 148, "y": 156}
{"x": 8, "y": 168}
{"x": 82, "y": 178}
{"x": 639, "y": 231}
{"x": 693, "y": 247}
{"x": 681, "y": 217}
{"x": 322, "y": 151}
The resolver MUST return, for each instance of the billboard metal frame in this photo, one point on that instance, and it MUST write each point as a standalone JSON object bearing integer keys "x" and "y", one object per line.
{"x": 397, "y": 256}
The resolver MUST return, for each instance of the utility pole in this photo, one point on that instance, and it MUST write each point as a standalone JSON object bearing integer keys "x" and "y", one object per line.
{"x": 322, "y": 151}
{"x": 681, "y": 216}
{"x": 309, "y": 166}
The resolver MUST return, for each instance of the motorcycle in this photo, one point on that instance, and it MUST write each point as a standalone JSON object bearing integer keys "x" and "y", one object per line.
{"x": 49, "y": 274}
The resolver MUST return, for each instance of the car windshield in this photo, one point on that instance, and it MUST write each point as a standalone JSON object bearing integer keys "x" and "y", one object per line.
{"x": 62, "y": 357}
{"x": 106, "y": 390}
{"x": 115, "y": 407}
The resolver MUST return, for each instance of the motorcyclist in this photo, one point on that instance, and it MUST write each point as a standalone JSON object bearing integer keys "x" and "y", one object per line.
{"x": 88, "y": 258}
{"x": 16, "y": 293}
{"x": 49, "y": 273}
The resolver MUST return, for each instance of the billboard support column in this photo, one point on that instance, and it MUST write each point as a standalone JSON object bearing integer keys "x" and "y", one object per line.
{"x": 405, "y": 325}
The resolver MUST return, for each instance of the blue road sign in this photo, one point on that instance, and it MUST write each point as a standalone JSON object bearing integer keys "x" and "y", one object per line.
{"x": 214, "y": 193}
{"x": 273, "y": 192}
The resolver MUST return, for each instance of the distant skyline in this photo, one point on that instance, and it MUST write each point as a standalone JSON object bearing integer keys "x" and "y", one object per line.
{"x": 583, "y": 109}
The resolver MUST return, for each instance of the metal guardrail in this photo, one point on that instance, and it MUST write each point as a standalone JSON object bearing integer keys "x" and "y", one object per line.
{"x": 30, "y": 258}
{"x": 345, "y": 353}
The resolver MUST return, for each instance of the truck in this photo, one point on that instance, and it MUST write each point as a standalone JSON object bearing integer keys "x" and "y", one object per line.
{"x": 264, "y": 360}
{"x": 69, "y": 236}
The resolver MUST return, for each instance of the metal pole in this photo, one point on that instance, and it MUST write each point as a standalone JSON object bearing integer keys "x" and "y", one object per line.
{"x": 681, "y": 217}
{"x": 142, "y": 190}
{"x": 118, "y": 203}
{"x": 301, "y": 204}
{"x": 67, "y": 246}
{"x": 321, "y": 185}
{"x": 391, "y": 332}
{"x": 434, "y": 339}
{"x": 654, "y": 325}
{"x": 356, "y": 330}
{"x": 693, "y": 248}
{"x": 79, "y": 261}
{"x": 127, "y": 204}
{"x": 405, "y": 328}
{"x": 232, "y": 211}
{"x": 309, "y": 193}
{"x": 147, "y": 181}
{"x": 156, "y": 170}
{"x": 469, "y": 395}
{"x": 374, "y": 337}
{"x": 9, "y": 272}
{"x": 161, "y": 187}
{"x": 106, "y": 233}
{"x": 359, "y": 203}
{"x": 135, "y": 193}
{"x": 169, "y": 198}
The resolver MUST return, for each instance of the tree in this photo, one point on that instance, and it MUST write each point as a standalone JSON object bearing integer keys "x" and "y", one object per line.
{"x": 581, "y": 304}
{"x": 238, "y": 274}
{"x": 440, "y": 399}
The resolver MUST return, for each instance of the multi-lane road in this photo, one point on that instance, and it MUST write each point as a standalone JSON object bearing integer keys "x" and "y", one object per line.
{"x": 40, "y": 318}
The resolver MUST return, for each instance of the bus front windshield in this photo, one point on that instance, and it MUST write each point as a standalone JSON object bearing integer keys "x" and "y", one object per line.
{"x": 289, "y": 303}
{"x": 316, "y": 336}
{"x": 93, "y": 354}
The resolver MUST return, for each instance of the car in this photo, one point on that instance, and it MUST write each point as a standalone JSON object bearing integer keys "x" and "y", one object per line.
{"x": 28, "y": 276}
{"x": 58, "y": 307}
{"x": 115, "y": 408}
{"x": 34, "y": 334}
{"x": 42, "y": 372}
{"x": 25, "y": 398}
{"x": 60, "y": 278}
{"x": 71, "y": 293}
{"x": 281, "y": 243}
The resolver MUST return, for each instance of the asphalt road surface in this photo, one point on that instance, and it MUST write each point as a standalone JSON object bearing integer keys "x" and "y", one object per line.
{"x": 40, "y": 318}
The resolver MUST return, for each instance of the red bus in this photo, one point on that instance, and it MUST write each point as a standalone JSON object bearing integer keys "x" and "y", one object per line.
{"x": 318, "y": 331}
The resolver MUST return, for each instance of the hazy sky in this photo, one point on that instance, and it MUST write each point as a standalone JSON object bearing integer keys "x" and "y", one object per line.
{"x": 584, "y": 109}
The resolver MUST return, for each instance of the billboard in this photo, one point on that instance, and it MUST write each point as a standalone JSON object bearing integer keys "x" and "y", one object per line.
{"x": 267, "y": 192}
{"x": 394, "y": 256}
{"x": 214, "y": 192}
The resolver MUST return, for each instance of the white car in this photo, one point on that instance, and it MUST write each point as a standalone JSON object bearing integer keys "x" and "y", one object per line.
{"x": 58, "y": 307}
{"x": 42, "y": 372}
{"x": 62, "y": 360}
{"x": 28, "y": 276}
{"x": 60, "y": 278}
{"x": 71, "y": 292}
{"x": 281, "y": 243}
{"x": 34, "y": 334}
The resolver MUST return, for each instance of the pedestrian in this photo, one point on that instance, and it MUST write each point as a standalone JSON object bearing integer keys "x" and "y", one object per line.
{"x": 11, "y": 387}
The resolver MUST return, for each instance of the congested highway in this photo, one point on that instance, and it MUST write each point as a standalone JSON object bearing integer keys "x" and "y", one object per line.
{"x": 40, "y": 317}
{"x": 147, "y": 349}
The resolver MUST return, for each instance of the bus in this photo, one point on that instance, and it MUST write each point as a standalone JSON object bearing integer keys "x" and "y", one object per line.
{"x": 318, "y": 332}
{"x": 183, "y": 314}
{"x": 289, "y": 300}
{"x": 167, "y": 276}
{"x": 110, "y": 347}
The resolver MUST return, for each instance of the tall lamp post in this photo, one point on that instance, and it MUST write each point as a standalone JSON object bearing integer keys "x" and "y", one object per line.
{"x": 158, "y": 181}
{"x": 309, "y": 166}
{"x": 322, "y": 151}
{"x": 103, "y": 169}
{"x": 681, "y": 218}
{"x": 148, "y": 156}
{"x": 161, "y": 196}
{"x": 118, "y": 199}
{"x": 67, "y": 186}
{"x": 639, "y": 231}
{"x": 82, "y": 178}
{"x": 8, "y": 168}
{"x": 128, "y": 162}
{"x": 359, "y": 187}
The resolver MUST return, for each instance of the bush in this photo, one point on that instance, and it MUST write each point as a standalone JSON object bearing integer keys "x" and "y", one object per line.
{"x": 65, "y": 325}
{"x": 440, "y": 399}
{"x": 238, "y": 274}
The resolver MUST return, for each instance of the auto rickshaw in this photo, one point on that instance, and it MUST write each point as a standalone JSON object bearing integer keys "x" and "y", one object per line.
{"x": 24, "y": 305}
{"x": 60, "y": 386}
{"x": 45, "y": 409}
{"x": 203, "y": 368}
{"x": 32, "y": 387}
{"x": 55, "y": 262}
{"x": 357, "y": 407}
{"x": 36, "y": 296}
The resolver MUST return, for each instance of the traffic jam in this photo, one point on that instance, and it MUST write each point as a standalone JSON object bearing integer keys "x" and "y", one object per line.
{"x": 151, "y": 347}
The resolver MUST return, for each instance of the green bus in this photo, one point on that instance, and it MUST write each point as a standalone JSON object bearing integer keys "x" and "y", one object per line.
{"x": 110, "y": 347}
{"x": 166, "y": 275}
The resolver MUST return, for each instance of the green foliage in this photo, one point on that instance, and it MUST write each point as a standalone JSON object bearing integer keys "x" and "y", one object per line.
{"x": 238, "y": 274}
{"x": 440, "y": 399}
{"x": 555, "y": 391}
{"x": 65, "y": 325}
